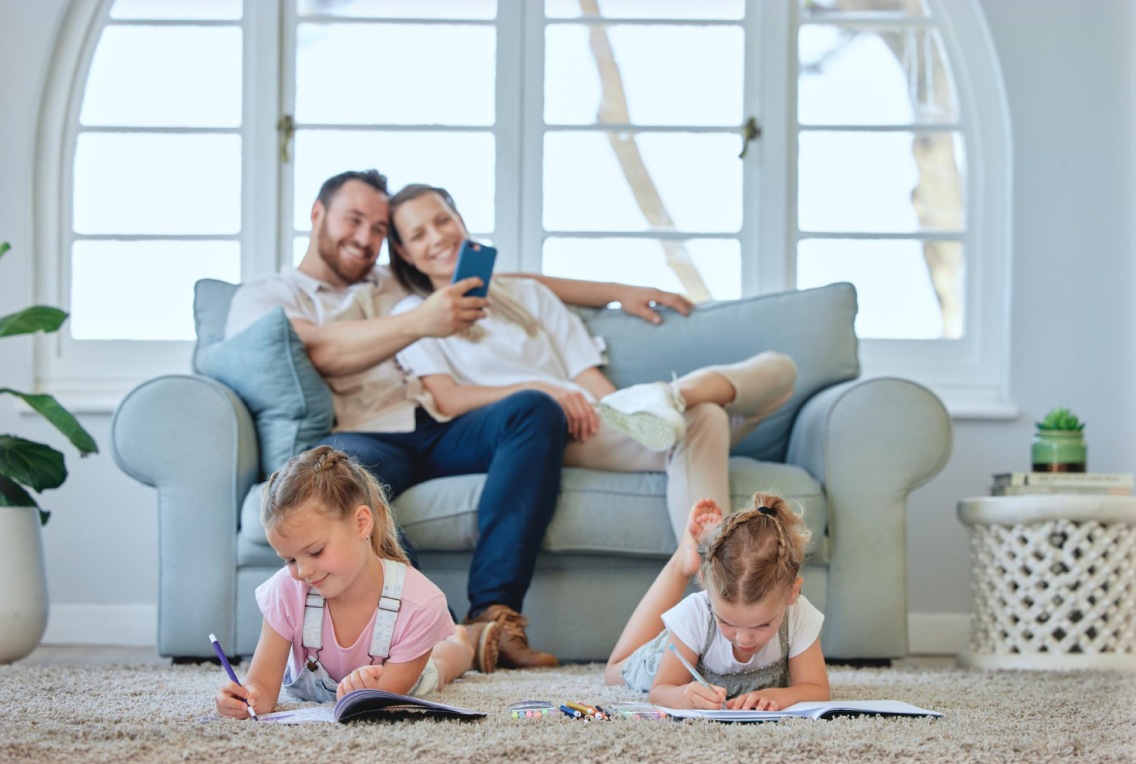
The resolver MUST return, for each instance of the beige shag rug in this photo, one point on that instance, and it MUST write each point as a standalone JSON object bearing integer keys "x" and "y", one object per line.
{"x": 151, "y": 713}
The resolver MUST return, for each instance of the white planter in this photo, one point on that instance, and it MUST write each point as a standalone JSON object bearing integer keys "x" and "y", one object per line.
{"x": 23, "y": 593}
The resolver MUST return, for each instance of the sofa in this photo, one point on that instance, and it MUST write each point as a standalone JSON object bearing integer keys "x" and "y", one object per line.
{"x": 847, "y": 451}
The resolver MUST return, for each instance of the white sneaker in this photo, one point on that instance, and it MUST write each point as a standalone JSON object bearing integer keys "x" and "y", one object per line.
{"x": 650, "y": 414}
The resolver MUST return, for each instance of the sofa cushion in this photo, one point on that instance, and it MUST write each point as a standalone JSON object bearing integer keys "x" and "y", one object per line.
{"x": 597, "y": 513}
{"x": 268, "y": 367}
{"x": 211, "y": 300}
{"x": 813, "y": 326}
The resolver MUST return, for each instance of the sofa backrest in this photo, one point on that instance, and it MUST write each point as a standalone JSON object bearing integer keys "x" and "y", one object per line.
{"x": 813, "y": 326}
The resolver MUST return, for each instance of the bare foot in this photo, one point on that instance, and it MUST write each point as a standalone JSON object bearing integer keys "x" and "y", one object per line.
{"x": 705, "y": 516}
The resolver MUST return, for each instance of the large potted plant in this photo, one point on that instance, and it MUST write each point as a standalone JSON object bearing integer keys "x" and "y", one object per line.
{"x": 26, "y": 465}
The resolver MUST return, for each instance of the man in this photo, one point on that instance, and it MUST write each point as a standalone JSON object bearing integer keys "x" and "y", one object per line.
{"x": 339, "y": 302}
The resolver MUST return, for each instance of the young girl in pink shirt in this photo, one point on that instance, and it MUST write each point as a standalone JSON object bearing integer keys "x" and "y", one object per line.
{"x": 346, "y": 612}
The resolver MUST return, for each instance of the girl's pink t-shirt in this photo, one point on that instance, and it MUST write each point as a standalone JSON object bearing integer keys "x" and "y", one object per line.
{"x": 423, "y": 621}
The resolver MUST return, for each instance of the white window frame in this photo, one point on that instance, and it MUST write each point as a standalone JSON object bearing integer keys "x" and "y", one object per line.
{"x": 971, "y": 375}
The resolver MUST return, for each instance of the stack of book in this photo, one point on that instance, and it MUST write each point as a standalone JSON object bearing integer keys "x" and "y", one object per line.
{"x": 1032, "y": 483}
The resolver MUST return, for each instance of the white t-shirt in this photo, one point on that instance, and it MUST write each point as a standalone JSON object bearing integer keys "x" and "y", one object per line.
{"x": 507, "y": 355}
{"x": 689, "y": 620}
{"x": 378, "y": 399}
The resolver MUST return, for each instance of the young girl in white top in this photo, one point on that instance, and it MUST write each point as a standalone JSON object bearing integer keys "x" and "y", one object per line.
{"x": 346, "y": 612}
{"x": 750, "y": 633}
{"x": 529, "y": 340}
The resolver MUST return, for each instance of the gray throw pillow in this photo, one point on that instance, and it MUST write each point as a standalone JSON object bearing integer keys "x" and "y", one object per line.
{"x": 268, "y": 367}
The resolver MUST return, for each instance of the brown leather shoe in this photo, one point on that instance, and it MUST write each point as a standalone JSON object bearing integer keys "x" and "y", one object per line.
{"x": 514, "y": 650}
{"x": 485, "y": 637}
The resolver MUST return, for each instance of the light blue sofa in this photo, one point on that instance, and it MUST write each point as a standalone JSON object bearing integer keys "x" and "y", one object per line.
{"x": 848, "y": 451}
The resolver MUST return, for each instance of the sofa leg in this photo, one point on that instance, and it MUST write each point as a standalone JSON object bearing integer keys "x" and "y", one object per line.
{"x": 859, "y": 662}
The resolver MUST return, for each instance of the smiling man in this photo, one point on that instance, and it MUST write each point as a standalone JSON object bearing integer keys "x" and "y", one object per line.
{"x": 340, "y": 301}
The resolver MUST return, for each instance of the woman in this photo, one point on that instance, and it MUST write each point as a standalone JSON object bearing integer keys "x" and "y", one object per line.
{"x": 529, "y": 340}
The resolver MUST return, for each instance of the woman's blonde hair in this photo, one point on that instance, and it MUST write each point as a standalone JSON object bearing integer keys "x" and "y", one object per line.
{"x": 755, "y": 552}
{"x": 501, "y": 302}
{"x": 338, "y": 484}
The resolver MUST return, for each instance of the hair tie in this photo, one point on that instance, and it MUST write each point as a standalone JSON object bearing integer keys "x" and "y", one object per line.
{"x": 767, "y": 511}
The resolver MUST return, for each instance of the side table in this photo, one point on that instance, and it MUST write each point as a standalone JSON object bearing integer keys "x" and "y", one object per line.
{"x": 1054, "y": 581}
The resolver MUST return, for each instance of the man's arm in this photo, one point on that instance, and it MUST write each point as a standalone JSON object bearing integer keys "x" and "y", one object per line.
{"x": 638, "y": 301}
{"x": 347, "y": 347}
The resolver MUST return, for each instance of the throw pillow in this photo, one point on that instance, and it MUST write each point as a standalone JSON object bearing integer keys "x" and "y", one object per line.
{"x": 268, "y": 367}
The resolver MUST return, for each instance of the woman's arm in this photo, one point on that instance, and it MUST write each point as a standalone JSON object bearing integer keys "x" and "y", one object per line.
{"x": 638, "y": 301}
{"x": 453, "y": 400}
{"x": 262, "y": 686}
{"x": 594, "y": 381}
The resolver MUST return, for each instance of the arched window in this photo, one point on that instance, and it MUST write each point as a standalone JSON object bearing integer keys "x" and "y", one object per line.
{"x": 586, "y": 138}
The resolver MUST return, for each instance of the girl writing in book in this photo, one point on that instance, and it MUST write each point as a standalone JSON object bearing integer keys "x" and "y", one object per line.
{"x": 346, "y": 612}
{"x": 530, "y": 341}
{"x": 750, "y": 633}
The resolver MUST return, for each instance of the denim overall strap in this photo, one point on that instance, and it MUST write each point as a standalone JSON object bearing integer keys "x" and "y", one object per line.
{"x": 394, "y": 576}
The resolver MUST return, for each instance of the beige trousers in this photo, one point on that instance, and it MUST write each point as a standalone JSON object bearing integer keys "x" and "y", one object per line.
{"x": 698, "y": 466}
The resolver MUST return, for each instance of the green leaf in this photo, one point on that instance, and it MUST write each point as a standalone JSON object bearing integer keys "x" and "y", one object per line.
{"x": 60, "y": 417}
{"x": 38, "y": 318}
{"x": 31, "y": 463}
{"x": 12, "y": 495}
{"x": 4, "y": 247}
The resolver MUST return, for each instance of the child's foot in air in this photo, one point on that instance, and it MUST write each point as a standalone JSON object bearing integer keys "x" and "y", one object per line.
{"x": 705, "y": 516}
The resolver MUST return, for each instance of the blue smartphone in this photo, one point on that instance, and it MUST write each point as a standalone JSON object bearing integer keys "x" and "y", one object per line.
{"x": 475, "y": 260}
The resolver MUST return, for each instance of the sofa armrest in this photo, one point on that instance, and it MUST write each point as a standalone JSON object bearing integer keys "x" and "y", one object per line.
{"x": 869, "y": 443}
{"x": 193, "y": 439}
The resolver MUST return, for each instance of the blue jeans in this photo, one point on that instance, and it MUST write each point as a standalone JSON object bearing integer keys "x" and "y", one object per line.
{"x": 519, "y": 443}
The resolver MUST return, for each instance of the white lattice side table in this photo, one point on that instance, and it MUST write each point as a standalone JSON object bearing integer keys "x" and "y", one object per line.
{"x": 1054, "y": 582}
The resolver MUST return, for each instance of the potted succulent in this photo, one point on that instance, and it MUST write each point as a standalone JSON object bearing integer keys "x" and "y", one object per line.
{"x": 25, "y": 464}
{"x": 1059, "y": 444}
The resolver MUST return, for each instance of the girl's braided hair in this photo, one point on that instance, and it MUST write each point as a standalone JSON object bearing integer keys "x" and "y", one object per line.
{"x": 755, "y": 552}
{"x": 338, "y": 484}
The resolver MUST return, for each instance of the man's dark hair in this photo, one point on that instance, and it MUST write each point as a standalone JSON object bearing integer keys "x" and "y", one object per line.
{"x": 331, "y": 186}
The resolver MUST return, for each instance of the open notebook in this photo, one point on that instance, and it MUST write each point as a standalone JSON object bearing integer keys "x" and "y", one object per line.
{"x": 807, "y": 711}
{"x": 376, "y": 705}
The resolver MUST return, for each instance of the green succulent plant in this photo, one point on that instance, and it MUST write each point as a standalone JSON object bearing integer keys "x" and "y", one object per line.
{"x": 24, "y": 463}
{"x": 1061, "y": 419}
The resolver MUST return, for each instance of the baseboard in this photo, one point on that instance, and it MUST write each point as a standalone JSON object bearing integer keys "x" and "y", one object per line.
{"x": 127, "y": 625}
{"x": 937, "y": 633}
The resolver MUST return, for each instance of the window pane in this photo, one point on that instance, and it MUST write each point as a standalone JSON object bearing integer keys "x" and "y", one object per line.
{"x": 165, "y": 76}
{"x": 143, "y": 290}
{"x": 462, "y": 163}
{"x": 216, "y": 10}
{"x": 649, "y": 83}
{"x": 717, "y": 263}
{"x": 679, "y": 181}
{"x": 351, "y": 74}
{"x": 400, "y": 9}
{"x": 905, "y": 289}
{"x": 857, "y": 76}
{"x": 886, "y": 182}
{"x": 655, "y": 9}
{"x": 138, "y": 183}
{"x": 902, "y": 8}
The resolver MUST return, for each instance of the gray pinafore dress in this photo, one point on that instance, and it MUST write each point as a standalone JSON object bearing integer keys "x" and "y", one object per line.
{"x": 313, "y": 682}
{"x": 642, "y": 665}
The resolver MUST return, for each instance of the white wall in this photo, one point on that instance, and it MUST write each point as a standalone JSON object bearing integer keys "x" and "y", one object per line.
{"x": 1068, "y": 68}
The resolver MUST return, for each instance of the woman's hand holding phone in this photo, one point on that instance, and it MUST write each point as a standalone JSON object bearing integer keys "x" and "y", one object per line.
{"x": 447, "y": 312}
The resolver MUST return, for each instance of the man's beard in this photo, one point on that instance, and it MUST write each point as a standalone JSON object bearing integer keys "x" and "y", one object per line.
{"x": 329, "y": 253}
